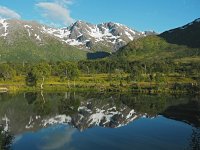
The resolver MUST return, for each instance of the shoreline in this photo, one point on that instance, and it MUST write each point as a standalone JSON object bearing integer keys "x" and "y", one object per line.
{"x": 147, "y": 88}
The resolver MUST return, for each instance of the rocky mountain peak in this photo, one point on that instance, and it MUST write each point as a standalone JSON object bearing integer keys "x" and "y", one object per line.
{"x": 105, "y": 35}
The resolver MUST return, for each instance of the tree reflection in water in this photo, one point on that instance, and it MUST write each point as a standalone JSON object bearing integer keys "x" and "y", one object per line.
{"x": 31, "y": 97}
{"x": 194, "y": 143}
{"x": 69, "y": 105}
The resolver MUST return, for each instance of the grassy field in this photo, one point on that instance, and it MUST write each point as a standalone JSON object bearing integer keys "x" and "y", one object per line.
{"x": 102, "y": 82}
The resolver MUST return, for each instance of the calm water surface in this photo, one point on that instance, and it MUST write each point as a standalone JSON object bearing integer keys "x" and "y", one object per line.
{"x": 87, "y": 121}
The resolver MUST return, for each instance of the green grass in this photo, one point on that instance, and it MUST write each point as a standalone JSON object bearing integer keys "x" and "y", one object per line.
{"x": 97, "y": 82}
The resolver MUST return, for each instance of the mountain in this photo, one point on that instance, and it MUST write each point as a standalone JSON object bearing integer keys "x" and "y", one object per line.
{"x": 27, "y": 41}
{"x": 106, "y": 36}
{"x": 188, "y": 35}
{"x": 30, "y": 41}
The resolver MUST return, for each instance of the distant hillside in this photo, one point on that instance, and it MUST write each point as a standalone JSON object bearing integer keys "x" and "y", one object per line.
{"x": 188, "y": 35}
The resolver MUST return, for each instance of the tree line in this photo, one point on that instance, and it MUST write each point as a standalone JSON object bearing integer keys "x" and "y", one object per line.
{"x": 137, "y": 70}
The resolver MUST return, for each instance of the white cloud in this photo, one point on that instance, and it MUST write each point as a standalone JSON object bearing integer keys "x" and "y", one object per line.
{"x": 8, "y": 13}
{"x": 67, "y": 2}
{"x": 57, "y": 140}
{"x": 57, "y": 12}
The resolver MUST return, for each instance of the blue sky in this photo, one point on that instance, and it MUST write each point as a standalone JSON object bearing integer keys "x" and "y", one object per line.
{"x": 158, "y": 15}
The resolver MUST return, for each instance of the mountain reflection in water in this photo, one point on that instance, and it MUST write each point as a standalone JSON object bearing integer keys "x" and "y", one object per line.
{"x": 65, "y": 113}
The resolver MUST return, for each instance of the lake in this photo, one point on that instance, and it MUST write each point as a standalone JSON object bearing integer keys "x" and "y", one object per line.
{"x": 88, "y": 121}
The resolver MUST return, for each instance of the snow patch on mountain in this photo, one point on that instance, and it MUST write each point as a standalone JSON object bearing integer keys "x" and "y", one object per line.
{"x": 130, "y": 114}
{"x": 38, "y": 37}
{"x": 28, "y": 29}
{"x": 60, "y": 33}
{"x": 30, "y": 123}
{"x": 6, "y": 127}
{"x": 59, "y": 119}
{"x": 129, "y": 35}
{"x": 96, "y": 118}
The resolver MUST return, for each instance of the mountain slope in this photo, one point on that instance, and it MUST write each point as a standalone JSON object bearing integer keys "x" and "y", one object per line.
{"x": 154, "y": 48}
{"x": 188, "y": 35}
{"x": 26, "y": 41}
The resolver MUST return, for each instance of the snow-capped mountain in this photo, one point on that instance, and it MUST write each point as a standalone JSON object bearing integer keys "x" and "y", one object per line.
{"x": 105, "y": 36}
{"x": 86, "y": 35}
